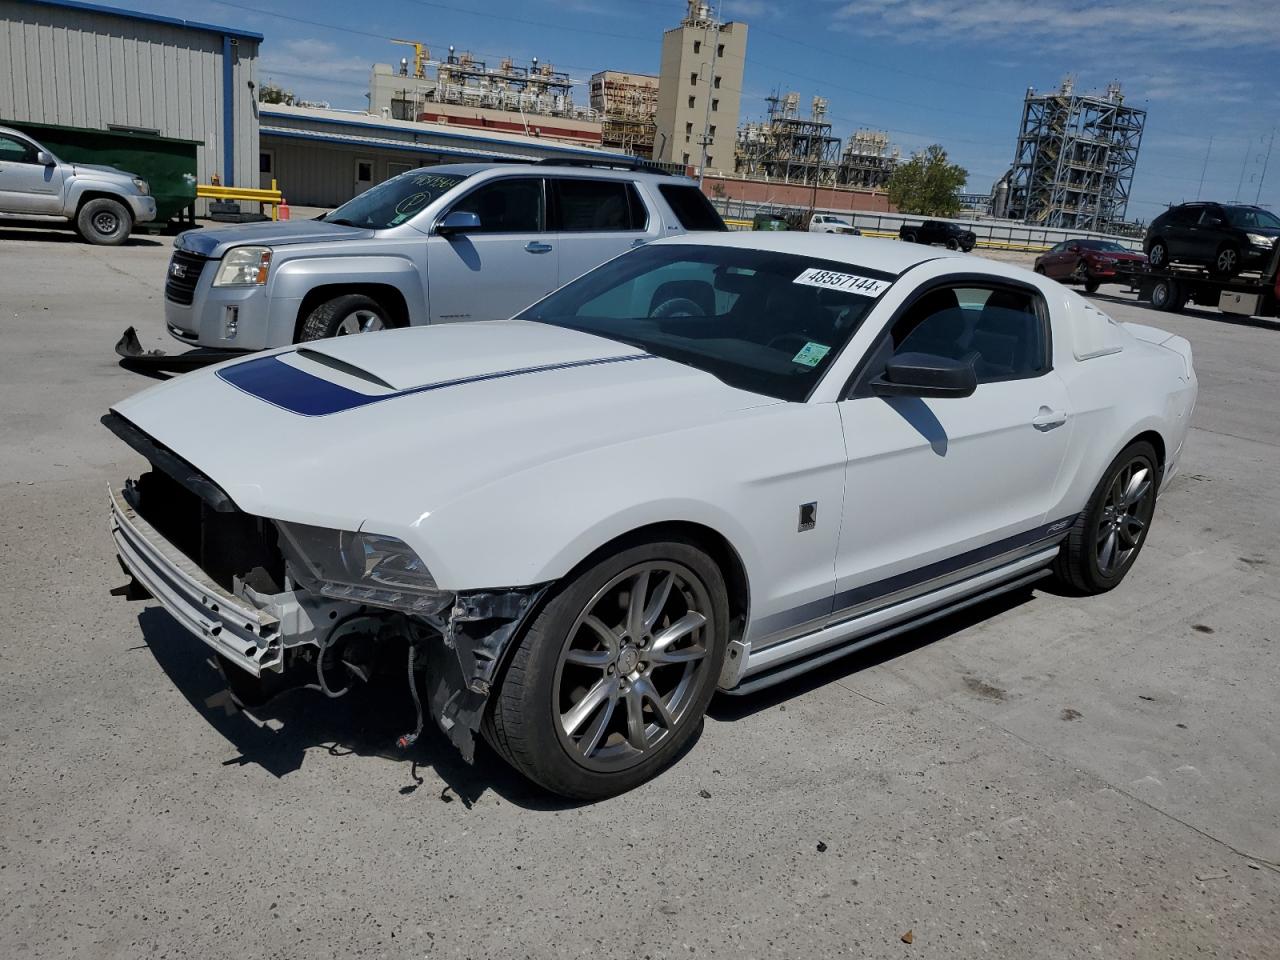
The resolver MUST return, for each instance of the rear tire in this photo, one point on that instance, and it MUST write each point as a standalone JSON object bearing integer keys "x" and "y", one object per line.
{"x": 104, "y": 221}
{"x": 348, "y": 314}
{"x": 1091, "y": 286}
{"x": 540, "y": 719}
{"x": 1107, "y": 537}
{"x": 1159, "y": 254}
{"x": 909, "y": 237}
{"x": 953, "y": 243}
{"x": 1167, "y": 295}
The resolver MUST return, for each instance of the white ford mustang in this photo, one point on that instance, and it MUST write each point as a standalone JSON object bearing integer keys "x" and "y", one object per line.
{"x": 711, "y": 463}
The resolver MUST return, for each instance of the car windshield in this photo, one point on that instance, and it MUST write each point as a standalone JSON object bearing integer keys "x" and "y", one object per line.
{"x": 1249, "y": 218}
{"x": 771, "y": 323}
{"x": 1110, "y": 246}
{"x": 394, "y": 201}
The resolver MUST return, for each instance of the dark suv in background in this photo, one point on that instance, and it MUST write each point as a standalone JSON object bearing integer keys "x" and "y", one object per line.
{"x": 1225, "y": 237}
{"x": 954, "y": 236}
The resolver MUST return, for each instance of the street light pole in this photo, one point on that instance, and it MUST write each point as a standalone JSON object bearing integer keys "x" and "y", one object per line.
{"x": 711, "y": 86}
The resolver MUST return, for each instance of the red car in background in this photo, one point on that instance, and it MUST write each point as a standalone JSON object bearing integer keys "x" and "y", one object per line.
{"x": 1091, "y": 262}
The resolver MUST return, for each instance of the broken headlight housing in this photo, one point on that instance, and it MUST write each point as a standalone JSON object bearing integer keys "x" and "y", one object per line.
{"x": 364, "y": 568}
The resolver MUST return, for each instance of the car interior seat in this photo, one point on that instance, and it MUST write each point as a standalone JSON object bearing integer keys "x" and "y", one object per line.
{"x": 699, "y": 292}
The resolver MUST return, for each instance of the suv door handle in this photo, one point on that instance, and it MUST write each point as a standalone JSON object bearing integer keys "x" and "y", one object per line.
{"x": 535, "y": 246}
{"x": 1047, "y": 419}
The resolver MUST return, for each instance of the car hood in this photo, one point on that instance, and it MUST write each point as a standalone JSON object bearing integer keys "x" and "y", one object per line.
{"x": 81, "y": 168}
{"x": 215, "y": 242}
{"x": 385, "y": 428}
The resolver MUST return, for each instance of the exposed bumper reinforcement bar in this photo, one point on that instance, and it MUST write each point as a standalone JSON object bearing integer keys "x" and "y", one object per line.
{"x": 248, "y": 637}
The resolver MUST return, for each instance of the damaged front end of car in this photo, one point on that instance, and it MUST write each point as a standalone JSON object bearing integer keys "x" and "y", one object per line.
{"x": 287, "y": 606}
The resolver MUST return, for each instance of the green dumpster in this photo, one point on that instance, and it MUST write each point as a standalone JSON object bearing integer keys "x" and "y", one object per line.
{"x": 167, "y": 164}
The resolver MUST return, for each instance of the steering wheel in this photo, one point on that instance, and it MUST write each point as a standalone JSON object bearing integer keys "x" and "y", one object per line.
{"x": 677, "y": 307}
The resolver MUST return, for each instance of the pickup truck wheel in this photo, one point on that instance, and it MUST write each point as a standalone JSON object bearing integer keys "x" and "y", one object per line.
{"x": 613, "y": 676}
{"x": 953, "y": 243}
{"x": 104, "y": 221}
{"x": 1106, "y": 538}
{"x": 345, "y": 315}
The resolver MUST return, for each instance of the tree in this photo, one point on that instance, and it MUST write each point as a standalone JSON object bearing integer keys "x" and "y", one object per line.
{"x": 927, "y": 184}
{"x": 274, "y": 93}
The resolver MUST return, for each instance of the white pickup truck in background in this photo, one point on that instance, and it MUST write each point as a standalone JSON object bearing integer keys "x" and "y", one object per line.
{"x": 830, "y": 223}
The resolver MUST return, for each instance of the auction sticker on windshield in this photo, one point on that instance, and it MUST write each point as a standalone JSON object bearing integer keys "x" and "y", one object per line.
{"x": 848, "y": 282}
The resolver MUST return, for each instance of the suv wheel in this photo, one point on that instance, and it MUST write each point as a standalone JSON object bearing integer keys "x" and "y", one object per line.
{"x": 953, "y": 243}
{"x": 104, "y": 221}
{"x": 1159, "y": 254}
{"x": 345, "y": 315}
{"x": 909, "y": 237}
{"x": 612, "y": 678}
{"x": 1227, "y": 261}
{"x": 1106, "y": 538}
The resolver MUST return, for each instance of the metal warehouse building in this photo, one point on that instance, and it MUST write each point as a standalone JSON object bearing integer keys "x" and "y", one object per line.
{"x": 84, "y": 65}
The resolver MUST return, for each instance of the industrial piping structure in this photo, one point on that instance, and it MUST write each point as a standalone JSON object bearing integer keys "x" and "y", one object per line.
{"x": 794, "y": 149}
{"x": 1075, "y": 159}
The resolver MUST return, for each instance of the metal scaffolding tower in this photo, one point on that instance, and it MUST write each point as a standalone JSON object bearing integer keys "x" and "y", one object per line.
{"x": 1075, "y": 159}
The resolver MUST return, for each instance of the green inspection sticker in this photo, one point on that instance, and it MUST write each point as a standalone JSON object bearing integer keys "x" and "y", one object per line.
{"x": 812, "y": 354}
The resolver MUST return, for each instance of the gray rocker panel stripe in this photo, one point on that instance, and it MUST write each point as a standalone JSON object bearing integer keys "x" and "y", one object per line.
{"x": 819, "y": 613}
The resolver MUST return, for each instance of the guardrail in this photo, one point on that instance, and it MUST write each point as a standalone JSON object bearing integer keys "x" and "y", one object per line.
{"x": 216, "y": 191}
{"x": 991, "y": 234}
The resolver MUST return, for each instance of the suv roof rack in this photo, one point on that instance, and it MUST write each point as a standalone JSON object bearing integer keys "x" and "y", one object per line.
{"x": 622, "y": 163}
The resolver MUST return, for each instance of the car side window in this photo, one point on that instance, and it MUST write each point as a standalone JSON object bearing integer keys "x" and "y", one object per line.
{"x": 511, "y": 205}
{"x": 588, "y": 206}
{"x": 13, "y": 150}
{"x": 1003, "y": 331}
{"x": 1212, "y": 217}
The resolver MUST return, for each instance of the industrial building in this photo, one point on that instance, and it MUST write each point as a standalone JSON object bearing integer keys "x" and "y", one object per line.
{"x": 627, "y": 104}
{"x": 795, "y": 149}
{"x": 534, "y": 100}
{"x": 700, "y": 90}
{"x": 83, "y": 65}
{"x": 1075, "y": 160}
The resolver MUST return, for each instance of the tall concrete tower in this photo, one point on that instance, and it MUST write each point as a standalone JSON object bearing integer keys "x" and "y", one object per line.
{"x": 700, "y": 90}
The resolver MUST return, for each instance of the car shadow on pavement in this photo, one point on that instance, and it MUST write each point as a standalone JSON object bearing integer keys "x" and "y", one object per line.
{"x": 16, "y": 230}
{"x": 365, "y": 722}
{"x": 726, "y": 707}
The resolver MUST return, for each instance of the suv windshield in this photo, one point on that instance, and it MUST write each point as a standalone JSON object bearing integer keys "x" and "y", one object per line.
{"x": 766, "y": 322}
{"x": 1248, "y": 218}
{"x": 394, "y": 201}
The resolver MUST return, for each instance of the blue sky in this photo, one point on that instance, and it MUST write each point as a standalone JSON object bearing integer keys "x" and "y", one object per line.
{"x": 947, "y": 71}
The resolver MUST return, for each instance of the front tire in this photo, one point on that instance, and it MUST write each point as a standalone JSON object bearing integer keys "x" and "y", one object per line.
{"x": 1106, "y": 538}
{"x": 1167, "y": 295}
{"x": 909, "y": 237}
{"x": 1226, "y": 263}
{"x": 953, "y": 243}
{"x": 1159, "y": 254}
{"x": 614, "y": 674}
{"x": 1091, "y": 286}
{"x": 104, "y": 222}
{"x": 344, "y": 315}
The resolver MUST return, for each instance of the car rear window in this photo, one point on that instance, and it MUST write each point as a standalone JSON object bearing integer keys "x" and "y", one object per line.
{"x": 691, "y": 207}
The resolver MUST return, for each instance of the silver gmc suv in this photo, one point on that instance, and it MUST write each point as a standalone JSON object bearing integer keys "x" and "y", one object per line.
{"x": 436, "y": 244}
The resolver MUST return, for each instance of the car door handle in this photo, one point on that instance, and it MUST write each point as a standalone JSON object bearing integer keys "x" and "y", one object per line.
{"x": 534, "y": 246}
{"x": 1047, "y": 419}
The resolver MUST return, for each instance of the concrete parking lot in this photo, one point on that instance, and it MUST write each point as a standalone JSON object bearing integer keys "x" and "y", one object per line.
{"x": 1042, "y": 777}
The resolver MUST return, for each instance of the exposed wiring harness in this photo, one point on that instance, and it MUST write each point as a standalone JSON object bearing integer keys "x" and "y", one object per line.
{"x": 409, "y": 739}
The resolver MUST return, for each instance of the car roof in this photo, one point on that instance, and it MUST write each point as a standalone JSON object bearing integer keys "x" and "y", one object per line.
{"x": 582, "y": 170}
{"x": 888, "y": 256}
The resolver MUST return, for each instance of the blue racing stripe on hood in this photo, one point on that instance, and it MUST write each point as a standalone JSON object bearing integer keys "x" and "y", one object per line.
{"x": 289, "y": 388}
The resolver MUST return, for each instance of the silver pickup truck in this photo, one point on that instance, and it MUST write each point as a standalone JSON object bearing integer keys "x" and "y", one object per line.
{"x": 104, "y": 203}
{"x": 434, "y": 245}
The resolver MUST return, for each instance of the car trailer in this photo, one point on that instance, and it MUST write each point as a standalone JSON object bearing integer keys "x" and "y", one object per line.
{"x": 1173, "y": 287}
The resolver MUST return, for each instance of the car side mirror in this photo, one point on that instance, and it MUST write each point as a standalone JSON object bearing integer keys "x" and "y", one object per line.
{"x": 45, "y": 158}
{"x": 925, "y": 375}
{"x": 457, "y": 221}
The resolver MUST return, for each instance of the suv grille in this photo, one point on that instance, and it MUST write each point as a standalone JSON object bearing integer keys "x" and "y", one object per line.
{"x": 184, "y": 273}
